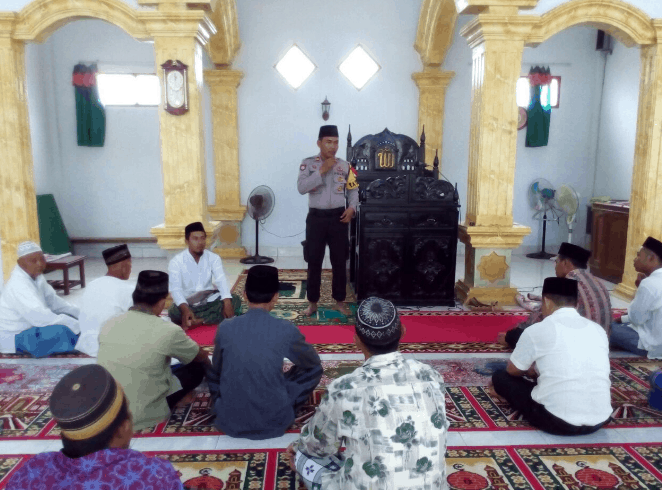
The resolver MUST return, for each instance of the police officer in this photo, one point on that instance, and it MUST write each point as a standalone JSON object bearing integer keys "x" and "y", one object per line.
{"x": 325, "y": 179}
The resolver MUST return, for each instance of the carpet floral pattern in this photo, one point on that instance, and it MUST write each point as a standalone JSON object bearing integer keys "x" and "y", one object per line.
{"x": 24, "y": 412}
{"x": 575, "y": 467}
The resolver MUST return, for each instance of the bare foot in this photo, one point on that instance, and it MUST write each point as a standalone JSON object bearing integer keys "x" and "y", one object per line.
{"x": 342, "y": 307}
{"x": 501, "y": 339}
{"x": 492, "y": 392}
{"x": 311, "y": 310}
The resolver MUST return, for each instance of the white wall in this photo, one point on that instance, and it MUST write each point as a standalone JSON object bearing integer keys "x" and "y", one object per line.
{"x": 618, "y": 123}
{"x": 278, "y": 126}
{"x": 113, "y": 191}
{"x": 569, "y": 157}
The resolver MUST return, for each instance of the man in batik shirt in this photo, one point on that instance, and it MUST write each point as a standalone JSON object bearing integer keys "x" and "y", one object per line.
{"x": 593, "y": 301}
{"x": 389, "y": 415}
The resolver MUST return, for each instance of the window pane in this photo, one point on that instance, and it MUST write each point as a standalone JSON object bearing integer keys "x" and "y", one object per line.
{"x": 359, "y": 67}
{"x": 295, "y": 67}
{"x": 544, "y": 96}
{"x": 117, "y": 89}
{"x": 554, "y": 92}
{"x": 523, "y": 92}
{"x": 148, "y": 89}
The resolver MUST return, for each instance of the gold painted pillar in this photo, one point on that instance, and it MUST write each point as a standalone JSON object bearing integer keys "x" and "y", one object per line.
{"x": 489, "y": 234}
{"x": 18, "y": 201}
{"x": 646, "y": 196}
{"x": 228, "y": 209}
{"x": 432, "y": 85}
{"x": 180, "y": 34}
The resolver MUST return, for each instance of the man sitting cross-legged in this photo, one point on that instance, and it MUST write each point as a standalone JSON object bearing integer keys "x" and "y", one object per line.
{"x": 569, "y": 356}
{"x": 137, "y": 348}
{"x": 96, "y": 429}
{"x": 198, "y": 286}
{"x": 389, "y": 415}
{"x": 252, "y": 396}
{"x": 593, "y": 298}
{"x": 640, "y": 331}
{"x": 33, "y": 318}
{"x": 105, "y": 297}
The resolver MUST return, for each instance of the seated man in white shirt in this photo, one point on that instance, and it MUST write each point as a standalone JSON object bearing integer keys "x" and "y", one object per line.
{"x": 198, "y": 287}
{"x": 33, "y": 318}
{"x": 105, "y": 298}
{"x": 569, "y": 356}
{"x": 640, "y": 331}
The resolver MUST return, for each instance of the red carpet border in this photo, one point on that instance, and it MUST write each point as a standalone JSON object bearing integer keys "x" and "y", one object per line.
{"x": 25, "y": 390}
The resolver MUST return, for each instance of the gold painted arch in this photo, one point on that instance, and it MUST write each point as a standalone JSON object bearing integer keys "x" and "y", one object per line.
{"x": 625, "y": 22}
{"x": 436, "y": 28}
{"x": 41, "y": 18}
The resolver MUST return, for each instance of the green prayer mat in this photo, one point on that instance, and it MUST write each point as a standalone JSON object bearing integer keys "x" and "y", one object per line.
{"x": 292, "y": 300}
{"x": 211, "y": 313}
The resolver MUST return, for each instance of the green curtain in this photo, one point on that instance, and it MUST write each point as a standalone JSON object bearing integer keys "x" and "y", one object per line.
{"x": 539, "y": 114}
{"x": 90, "y": 113}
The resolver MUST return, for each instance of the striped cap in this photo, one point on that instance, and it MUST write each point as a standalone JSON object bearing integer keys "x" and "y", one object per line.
{"x": 86, "y": 401}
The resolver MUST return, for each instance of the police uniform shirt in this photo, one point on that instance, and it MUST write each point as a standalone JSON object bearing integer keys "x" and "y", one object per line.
{"x": 326, "y": 191}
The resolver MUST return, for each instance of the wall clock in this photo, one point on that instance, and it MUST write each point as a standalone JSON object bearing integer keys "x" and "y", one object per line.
{"x": 175, "y": 87}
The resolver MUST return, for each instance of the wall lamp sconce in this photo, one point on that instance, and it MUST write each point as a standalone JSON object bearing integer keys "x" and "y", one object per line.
{"x": 326, "y": 107}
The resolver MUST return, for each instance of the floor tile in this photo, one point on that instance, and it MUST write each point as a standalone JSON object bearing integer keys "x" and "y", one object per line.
{"x": 499, "y": 438}
{"x": 601, "y": 436}
{"x": 653, "y": 434}
{"x": 174, "y": 443}
{"x": 227, "y": 442}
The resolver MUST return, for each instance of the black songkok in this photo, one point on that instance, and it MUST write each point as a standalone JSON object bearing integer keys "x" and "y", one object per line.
{"x": 654, "y": 246}
{"x": 262, "y": 279}
{"x": 377, "y": 322}
{"x": 560, "y": 286}
{"x": 116, "y": 254}
{"x": 86, "y": 401}
{"x": 190, "y": 228}
{"x": 574, "y": 252}
{"x": 330, "y": 130}
{"x": 152, "y": 282}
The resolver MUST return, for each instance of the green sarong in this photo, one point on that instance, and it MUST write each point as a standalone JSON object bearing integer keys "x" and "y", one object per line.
{"x": 210, "y": 312}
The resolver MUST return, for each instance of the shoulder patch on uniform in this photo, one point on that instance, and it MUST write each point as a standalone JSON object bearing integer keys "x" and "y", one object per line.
{"x": 302, "y": 167}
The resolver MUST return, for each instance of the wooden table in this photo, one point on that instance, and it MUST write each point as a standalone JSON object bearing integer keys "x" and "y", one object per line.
{"x": 64, "y": 264}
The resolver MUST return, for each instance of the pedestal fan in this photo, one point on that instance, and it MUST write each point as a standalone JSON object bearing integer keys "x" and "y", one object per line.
{"x": 568, "y": 200}
{"x": 542, "y": 200}
{"x": 260, "y": 205}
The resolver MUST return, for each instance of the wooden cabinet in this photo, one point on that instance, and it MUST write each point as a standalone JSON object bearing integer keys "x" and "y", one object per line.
{"x": 609, "y": 239}
{"x": 406, "y": 241}
{"x": 403, "y": 240}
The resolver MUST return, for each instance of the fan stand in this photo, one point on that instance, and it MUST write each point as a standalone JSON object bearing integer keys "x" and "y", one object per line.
{"x": 542, "y": 254}
{"x": 257, "y": 258}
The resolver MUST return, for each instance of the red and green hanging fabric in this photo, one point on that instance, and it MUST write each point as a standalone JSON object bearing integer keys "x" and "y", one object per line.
{"x": 90, "y": 114}
{"x": 539, "y": 111}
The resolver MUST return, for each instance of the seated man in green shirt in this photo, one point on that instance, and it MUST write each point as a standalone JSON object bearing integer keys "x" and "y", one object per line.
{"x": 137, "y": 348}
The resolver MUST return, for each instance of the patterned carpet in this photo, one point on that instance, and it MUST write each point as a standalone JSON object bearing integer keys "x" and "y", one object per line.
{"x": 292, "y": 303}
{"x": 590, "y": 467}
{"x": 25, "y": 389}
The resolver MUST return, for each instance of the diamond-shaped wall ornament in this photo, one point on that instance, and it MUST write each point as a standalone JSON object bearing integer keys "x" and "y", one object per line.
{"x": 295, "y": 67}
{"x": 359, "y": 67}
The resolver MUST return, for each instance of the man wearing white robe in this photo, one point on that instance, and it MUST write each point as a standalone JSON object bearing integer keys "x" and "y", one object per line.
{"x": 33, "y": 318}
{"x": 198, "y": 285}
{"x": 105, "y": 298}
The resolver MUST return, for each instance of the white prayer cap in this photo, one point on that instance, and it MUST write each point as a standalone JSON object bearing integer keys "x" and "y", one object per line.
{"x": 27, "y": 248}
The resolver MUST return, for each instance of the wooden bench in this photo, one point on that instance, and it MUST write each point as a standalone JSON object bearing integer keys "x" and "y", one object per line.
{"x": 64, "y": 264}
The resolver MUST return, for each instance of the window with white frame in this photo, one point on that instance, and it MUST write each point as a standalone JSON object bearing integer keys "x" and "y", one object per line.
{"x": 550, "y": 95}
{"x": 295, "y": 67}
{"x": 122, "y": 89}
{"x": 359, "y": 67}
